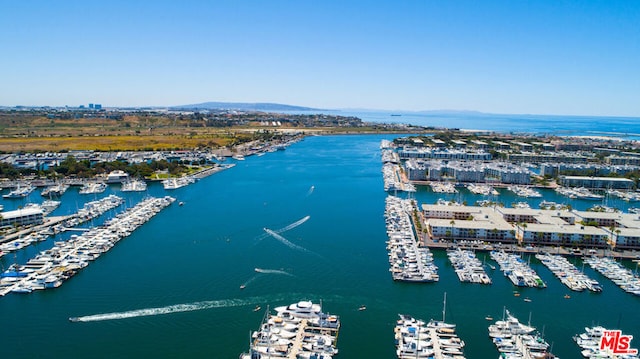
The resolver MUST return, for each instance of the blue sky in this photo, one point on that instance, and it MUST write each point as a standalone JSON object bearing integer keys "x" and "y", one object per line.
{"x": 536, "y": 57}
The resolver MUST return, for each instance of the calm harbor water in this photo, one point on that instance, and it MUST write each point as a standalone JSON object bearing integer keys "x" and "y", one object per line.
{"x": 172, "y": 289}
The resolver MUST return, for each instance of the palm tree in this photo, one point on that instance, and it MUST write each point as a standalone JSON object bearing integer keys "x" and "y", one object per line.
{"x": 612, "y": 241}
{"x": 524, "y": 228}
{"x": 613, "y": 245}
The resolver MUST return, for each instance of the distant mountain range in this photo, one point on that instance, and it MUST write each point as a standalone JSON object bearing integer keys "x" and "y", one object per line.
{"x": 244, "y": 106}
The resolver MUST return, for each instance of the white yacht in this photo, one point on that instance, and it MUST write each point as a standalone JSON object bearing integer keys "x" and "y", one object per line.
{"x": 300, "y": 330}
{"x": 177, "y": 182}
{"x": 509, "y": 326}
{"x": 19, "y": 192}
{"x": 135, "y": 185}
{"x": 117, "y": 176}
{"x": 302, "y": 309}
{"x": 49, "y": 206}
{"x": 55, "y": 190}
{"x": 93, "y": 187}
{"x": 524, "y": 191}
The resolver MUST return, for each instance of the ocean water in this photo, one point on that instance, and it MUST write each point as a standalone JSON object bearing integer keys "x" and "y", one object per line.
{"x": 627, "y": 128}
{"x": 172, "y": 289}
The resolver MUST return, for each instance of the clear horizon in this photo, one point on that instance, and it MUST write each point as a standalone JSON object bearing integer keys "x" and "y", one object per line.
{"x": 500, "y": 57}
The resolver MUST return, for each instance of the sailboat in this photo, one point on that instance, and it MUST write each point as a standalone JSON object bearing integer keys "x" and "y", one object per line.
{"x": 441, "y": 324}
{"x": 490, "y": 265}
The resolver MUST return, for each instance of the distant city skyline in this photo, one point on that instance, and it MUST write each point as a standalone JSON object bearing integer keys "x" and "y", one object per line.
{"x": 542, "y": 57}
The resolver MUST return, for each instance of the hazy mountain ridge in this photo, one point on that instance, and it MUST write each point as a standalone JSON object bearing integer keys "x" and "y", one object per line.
{"x": 246, "y": 106}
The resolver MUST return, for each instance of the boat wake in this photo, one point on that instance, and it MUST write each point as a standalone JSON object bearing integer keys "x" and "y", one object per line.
{"x": 287, "y": 228}
{"x": 245, "y": 284}
{"x": 227, "y": 303}
{"x": 177, "y": 308}
{"x": 293, "y": 225}
{"x": 260, "y": 272}
{"x": 273, "y": 271}
{"x": 285, "y": 241}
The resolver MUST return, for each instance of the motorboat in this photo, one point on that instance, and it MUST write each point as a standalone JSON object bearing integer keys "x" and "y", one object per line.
{"x": 19, "y": 192}
{"x": 93, "y": 188}
{"x": 302, "y": 309}
{"x": 133, "y": 186}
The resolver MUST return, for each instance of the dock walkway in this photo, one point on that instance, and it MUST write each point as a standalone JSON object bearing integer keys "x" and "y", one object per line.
{"x": 297, "y": 343}
{"x": 48, "y": 222}
{"x": 209, "y": 171}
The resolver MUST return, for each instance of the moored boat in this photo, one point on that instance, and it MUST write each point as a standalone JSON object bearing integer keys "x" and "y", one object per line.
{"x": 299, "y": 330}
{"x": 134, "y": 185}
{"x": 19, "y": 192}
{"x": 93, "y": 188}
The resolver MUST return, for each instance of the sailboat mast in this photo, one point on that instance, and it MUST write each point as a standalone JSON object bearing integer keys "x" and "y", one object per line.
{"x": 444, "y": 306}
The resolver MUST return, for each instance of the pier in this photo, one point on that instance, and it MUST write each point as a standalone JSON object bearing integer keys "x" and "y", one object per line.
{"x": 408, "y": 262}
{"x": 297, "y": 343}
{"x": 209, "y": 171}
{"x": 48, "y": 223}
{"x": 435, "y": 339}
{"x": 50, "y": 268}
{"x": 65, "y": 229}
{"x": 300, "y": 330}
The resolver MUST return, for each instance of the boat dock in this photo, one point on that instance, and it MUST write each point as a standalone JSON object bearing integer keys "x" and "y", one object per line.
{"x": 468, "y": 268}
{"x": 48, "y": 222}
{"x": 90, "y": 210}
{"x": 517, "y": 270}
{"x": 300, "y": 330}
{"x": 209, "y": 171}
{"x": 53, "y": 266}
{"x": 407, "y": 261}
{"x": 297, "y": 343}
{"x": 568, "y": 274}
{"x": 304, "y": 333}
{"x": 394, "y": 180}
{"x": 516, "y": 340}
{"x": 623, "y": 277}
{"x": 435, "y": 339}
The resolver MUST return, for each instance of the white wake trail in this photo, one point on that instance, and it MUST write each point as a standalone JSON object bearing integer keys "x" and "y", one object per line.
{"x": 287, "y": 228}
{"x": 285, "y": 241}
{"x": 249, "y": 281}
{"x": 273, "y": 271}
{"x": 177, "y": 308}
{"x": 293, "y": 225}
